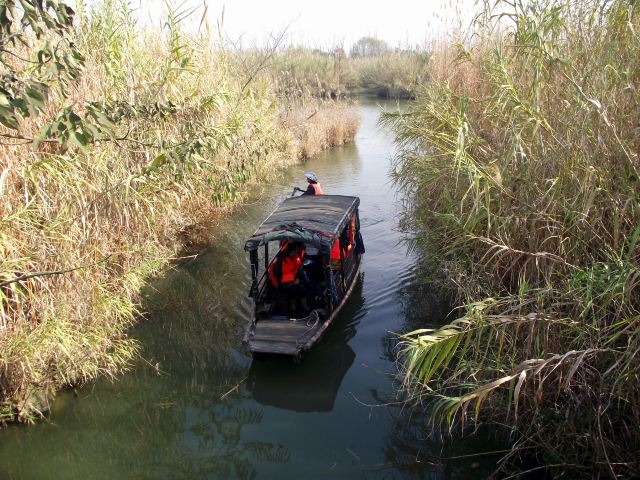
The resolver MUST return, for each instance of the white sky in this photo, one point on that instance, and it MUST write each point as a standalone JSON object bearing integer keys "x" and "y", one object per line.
{"x": 326, "y": 23}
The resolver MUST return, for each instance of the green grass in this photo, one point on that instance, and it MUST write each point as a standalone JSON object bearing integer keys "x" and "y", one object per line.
{"x": 522, "y": 163}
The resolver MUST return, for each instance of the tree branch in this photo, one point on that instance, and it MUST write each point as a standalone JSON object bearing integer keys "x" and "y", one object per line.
{"x": 27, "y": 276}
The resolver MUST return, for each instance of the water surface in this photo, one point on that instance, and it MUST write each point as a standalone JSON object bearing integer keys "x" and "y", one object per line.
{"x": 198, "y": 408}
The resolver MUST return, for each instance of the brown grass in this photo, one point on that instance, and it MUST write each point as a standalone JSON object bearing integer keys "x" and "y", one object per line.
{"x": 319, "y": 125}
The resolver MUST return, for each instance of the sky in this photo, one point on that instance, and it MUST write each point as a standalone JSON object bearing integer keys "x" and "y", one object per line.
{"x": 325, "y": 23}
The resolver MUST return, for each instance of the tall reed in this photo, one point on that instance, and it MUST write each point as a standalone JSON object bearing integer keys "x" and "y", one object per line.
{"x": 521, "y": 160}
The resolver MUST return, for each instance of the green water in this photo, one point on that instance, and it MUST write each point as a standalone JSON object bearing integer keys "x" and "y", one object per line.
{"x": 198, "y": 408}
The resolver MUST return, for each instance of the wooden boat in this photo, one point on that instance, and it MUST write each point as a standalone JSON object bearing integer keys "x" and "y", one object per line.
{"x": 327, "y": 229}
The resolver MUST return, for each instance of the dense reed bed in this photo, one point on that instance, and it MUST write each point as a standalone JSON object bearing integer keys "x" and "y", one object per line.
{"x": 320, "y": 124}
{"x": 334, "y": 74}
{"x": 88, "y": 215}
{"x": 521, "y": 161}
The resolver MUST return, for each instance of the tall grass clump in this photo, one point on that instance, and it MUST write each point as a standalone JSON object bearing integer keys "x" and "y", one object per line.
{"x": 393, "y": 74}
{"x": 320, "y": 124}
{"x": 521, "y": 160}
{"x": 106, "y": 165}
{"x": 300, "y": 72}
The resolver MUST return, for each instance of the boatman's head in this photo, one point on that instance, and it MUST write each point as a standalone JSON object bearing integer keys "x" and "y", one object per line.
{"x": 311, "y": 177}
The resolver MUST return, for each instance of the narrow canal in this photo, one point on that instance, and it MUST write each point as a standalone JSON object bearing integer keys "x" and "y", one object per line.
{"x": 198, "y": 408}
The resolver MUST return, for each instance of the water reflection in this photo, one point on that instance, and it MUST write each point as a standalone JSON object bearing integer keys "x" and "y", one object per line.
{"x": 416, "y": 450}
{"x": 424, "y": 302}
{"x": 311, "y": 387}
{"x": 194, "y": 341}
{"x": 164, "y": 427}
{"x": 414, "y": 447}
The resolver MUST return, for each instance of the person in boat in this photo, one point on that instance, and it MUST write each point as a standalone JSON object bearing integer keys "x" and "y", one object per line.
{"x": 347, "y": 241}
{"x": 288, "y": 276}
{"x": 313, "y": 187}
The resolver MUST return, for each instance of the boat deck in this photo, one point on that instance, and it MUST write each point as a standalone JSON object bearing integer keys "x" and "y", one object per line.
{"x": 284, "y": 337}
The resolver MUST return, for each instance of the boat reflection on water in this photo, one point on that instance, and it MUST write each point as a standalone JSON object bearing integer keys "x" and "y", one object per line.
{"x": 311, "y": 386}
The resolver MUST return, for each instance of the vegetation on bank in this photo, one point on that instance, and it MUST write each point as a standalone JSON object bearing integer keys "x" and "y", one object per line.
{"x": 115, "y": 143}
{"x": 381, "y": 72}
{"x": 522, "y": 164}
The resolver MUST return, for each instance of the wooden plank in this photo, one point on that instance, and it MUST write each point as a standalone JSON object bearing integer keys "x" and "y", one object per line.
{"x": 289, "y": 332}
{"x": 277, "y": 338}
{"x": 280, "y": 327}
{"x": 284, "y": 337}
{"x": 271, "y": 347}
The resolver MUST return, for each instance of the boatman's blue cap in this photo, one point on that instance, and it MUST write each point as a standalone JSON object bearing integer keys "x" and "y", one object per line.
{"x": 311, "y": 176}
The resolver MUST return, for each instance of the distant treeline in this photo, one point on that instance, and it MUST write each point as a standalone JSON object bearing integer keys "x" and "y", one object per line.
{"x": 370, "y": 68}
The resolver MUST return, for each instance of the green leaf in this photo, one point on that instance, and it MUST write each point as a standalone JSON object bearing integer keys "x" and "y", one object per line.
{"x": 159, "y": 161}
{"x": 81, "y": 138}
{"x": 42, "y": 135}
{"x": 8, "y": 118}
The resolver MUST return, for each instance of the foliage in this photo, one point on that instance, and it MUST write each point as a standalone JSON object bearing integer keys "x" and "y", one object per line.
{"x": 393, "y": 75}
{"x": 369, "y": 47}
{"x": 38, "y": 54}
{"x": 42, "y": 30}
{"x": 521, "y": 161}
{"x": 301, "y": 72}
{"x": 318, "y": 125}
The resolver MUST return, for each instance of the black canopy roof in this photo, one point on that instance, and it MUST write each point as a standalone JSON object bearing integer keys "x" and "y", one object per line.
{"x": 311, "y": 219}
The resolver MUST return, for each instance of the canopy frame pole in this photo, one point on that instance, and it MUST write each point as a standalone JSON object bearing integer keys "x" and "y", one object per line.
{"x": 253, "y": 257}
{"x": 329, "y": 278}
{"x": 344, "y": 283}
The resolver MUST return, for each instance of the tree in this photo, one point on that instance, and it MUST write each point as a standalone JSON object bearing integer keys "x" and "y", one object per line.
{"x": 37, "y": 55}
{"x": 25, "y": 82}
{"x": 369, "y": 47}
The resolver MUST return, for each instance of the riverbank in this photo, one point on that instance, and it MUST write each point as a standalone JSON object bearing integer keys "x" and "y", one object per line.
{"x": 521, "y": 164}
{"x": 84, "y": 222}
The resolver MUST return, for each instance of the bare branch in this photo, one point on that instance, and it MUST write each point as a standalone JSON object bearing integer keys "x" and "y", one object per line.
{"x": 27, "y": 276}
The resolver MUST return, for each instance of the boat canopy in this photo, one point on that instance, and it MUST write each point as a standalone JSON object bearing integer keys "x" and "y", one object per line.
{"x": 314, "y": 220}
